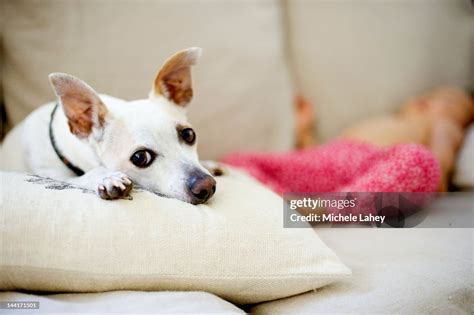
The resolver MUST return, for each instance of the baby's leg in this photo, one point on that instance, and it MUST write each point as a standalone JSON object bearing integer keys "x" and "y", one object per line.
{"x": 404, "y": 168}
{"x": 320, "y": 169}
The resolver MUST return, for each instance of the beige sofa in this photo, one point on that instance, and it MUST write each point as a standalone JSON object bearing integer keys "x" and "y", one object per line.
{"x": 351, "y": 58}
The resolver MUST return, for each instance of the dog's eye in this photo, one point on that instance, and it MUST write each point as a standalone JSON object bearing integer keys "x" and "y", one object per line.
{"x": 142, "y": 158}
{"x": 188, "y": 135}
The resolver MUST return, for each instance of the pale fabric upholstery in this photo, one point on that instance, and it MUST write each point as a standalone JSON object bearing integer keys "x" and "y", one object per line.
{"x": 243, "y": 95}
{"x": 355, "y": 59}
{"x": 464, "y": 171}
{"x": 58, "y": 239}
{"x": 125, "y": 302}
{"x": 395, "y": 271}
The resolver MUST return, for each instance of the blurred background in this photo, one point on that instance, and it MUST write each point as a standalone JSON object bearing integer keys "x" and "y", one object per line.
{"x": 348, "y": 59}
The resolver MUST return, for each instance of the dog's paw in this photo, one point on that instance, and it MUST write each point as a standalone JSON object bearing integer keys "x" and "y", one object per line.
{"x": 116, "y": 185}
{"x": 215, "y": 168}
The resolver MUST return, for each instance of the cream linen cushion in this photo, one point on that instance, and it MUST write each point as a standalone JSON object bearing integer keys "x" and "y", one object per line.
{"x": 58, "y": 238}
{"x": 242, "y": 95}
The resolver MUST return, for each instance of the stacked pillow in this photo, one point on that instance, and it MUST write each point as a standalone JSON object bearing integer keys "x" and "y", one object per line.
{"x": 59, "y": 238}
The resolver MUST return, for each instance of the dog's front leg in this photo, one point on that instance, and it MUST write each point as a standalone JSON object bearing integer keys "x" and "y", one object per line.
{"x": 106, "y": 183}
{"x": 213, "y": 167}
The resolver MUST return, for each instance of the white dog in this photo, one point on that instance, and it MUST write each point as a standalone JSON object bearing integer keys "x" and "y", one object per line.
{"x": 106, "y": 144}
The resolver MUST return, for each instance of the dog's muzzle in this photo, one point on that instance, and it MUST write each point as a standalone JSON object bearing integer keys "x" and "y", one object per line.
{"x": 201, "y": 187}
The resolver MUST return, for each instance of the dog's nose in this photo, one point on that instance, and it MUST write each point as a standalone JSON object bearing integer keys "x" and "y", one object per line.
{"x": 202, "y": 188}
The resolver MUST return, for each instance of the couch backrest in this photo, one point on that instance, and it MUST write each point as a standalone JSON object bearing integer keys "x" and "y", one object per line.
{"x": 360, "y": 58}
{"x": 243, "y": 95}
{"x": 352, "y": 58}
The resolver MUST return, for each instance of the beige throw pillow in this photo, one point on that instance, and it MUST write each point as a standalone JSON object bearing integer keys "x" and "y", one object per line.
{"x": 60, "y": 238}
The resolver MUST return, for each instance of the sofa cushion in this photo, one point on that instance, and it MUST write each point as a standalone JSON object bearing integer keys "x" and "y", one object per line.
{"x": 242, "y": 94}
{"x": 396, "y": 271}
{"x": 61, "y": 238}
{"x": 124, "y": 302}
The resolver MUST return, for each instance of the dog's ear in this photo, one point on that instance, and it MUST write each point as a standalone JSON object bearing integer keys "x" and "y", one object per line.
{"x": 174, "y": 78}
{"x": 81, "y": 104}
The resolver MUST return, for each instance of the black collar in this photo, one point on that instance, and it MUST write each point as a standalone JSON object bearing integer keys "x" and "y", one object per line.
{"x": 63, "y": 159}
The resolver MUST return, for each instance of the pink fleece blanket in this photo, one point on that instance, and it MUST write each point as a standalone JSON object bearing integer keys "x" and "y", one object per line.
{"x": 343, "y": 166}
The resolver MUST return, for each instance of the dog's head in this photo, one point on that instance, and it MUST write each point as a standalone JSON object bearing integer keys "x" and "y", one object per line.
{"x": 150, "y": 140}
